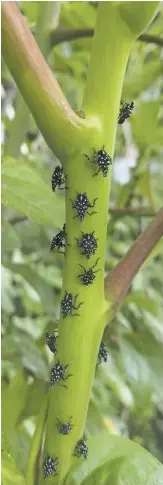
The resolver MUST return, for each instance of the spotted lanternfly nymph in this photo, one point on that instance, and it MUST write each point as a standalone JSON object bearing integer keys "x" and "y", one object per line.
{"x": 102, "y": 159}
{"x": 58, "y": 373}
{"x": 50, "y": 466}
{"x": 88, "y": 276}
{"x": 64, "y": 428}
{"x": 51, "y": 340}
{"x": 82, "y": 204}
{"x": 68, "y": 304}
{"x": 125, "y": 112}
{"x": 87, "y": 244}
{"x": 59, "y": 241}
{"x": 103, "y": 353}
{"x": 58, "y": 179}
{"x": 81, "y": 449}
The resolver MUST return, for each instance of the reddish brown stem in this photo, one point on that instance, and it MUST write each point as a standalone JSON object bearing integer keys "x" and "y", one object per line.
{"x": 119, "y": 280}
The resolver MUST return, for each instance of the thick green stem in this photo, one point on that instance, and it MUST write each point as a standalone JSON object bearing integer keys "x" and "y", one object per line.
{"x": 80, "y": 336}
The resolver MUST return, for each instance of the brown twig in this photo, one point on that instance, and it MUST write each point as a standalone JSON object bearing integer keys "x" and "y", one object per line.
{"x": 132, "y": 211}
{"x": 119, "y": 280}
{"x": 64, "y": 35}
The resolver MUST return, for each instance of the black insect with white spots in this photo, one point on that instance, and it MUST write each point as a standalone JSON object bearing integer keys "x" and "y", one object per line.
{"x": 87, "y": 243}
{"x": 50, "y": 466}
{"x": 59, "y": 241}
{"x": 58, "y": 374}
{"x": 102, "y": 160}
{"x": 68, "y": 304}
{"x": 103, "y": 353}
{"x": 64, "y": 428}
{"x": 81, "y": 449}
{"x": 125, "y": 112}
{"x": 51, "y": 341}
{"x": 88, "y": 276}
{"x": 82, "y": 204}
{"x": 58, "y": 179}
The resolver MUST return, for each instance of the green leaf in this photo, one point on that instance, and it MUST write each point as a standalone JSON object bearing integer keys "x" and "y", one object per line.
{"x": 77, "y": 15}
{"x": 113, "y": 460}
{"x": 136, "y": 16}
{"x": 44, "y": 289}
{"x": 145, "y": 185}
{"x": 19, "y": 348}
{"x": 115, "y": 381}
{"x": 36, "y": 395}
{"x": 142, "y": 357}
{"x": 142, "y": 301}
{"x": 10, "y": 239}
{"x": 140, "y": 77}
{"x": 10, "y": 474}
{"x": 147, "y": 129}
{"x": 25, "y": 191}
{"x": 7, "y": 291}
{"x": 15, "y": 393}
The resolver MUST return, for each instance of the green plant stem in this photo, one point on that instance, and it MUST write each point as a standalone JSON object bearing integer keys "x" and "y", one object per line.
{"x": 79, "y": 337}
{"x": 56, "y": 120}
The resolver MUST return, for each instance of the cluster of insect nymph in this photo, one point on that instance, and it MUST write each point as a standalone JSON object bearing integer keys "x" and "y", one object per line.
{"x": 87, "y": 244}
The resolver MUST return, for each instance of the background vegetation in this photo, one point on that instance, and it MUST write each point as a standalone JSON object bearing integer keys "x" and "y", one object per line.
{"x": 127, "y": 394}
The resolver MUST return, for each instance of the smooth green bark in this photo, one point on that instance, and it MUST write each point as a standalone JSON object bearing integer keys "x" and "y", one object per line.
{"x": 79, "y": 337}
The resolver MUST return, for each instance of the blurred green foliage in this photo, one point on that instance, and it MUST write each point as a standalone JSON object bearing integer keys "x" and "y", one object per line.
{"x": 127, "y": 394}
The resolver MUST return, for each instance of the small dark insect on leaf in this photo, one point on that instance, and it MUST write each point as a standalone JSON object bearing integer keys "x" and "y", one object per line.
{"x": 58, "y": 179}
{"x": 51, "y": 341}
{"x": 59, "y": 241}
{"x": 125, "y": 112}
{"x": 81, "y": 449}
{"x": 103, "y": 353}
